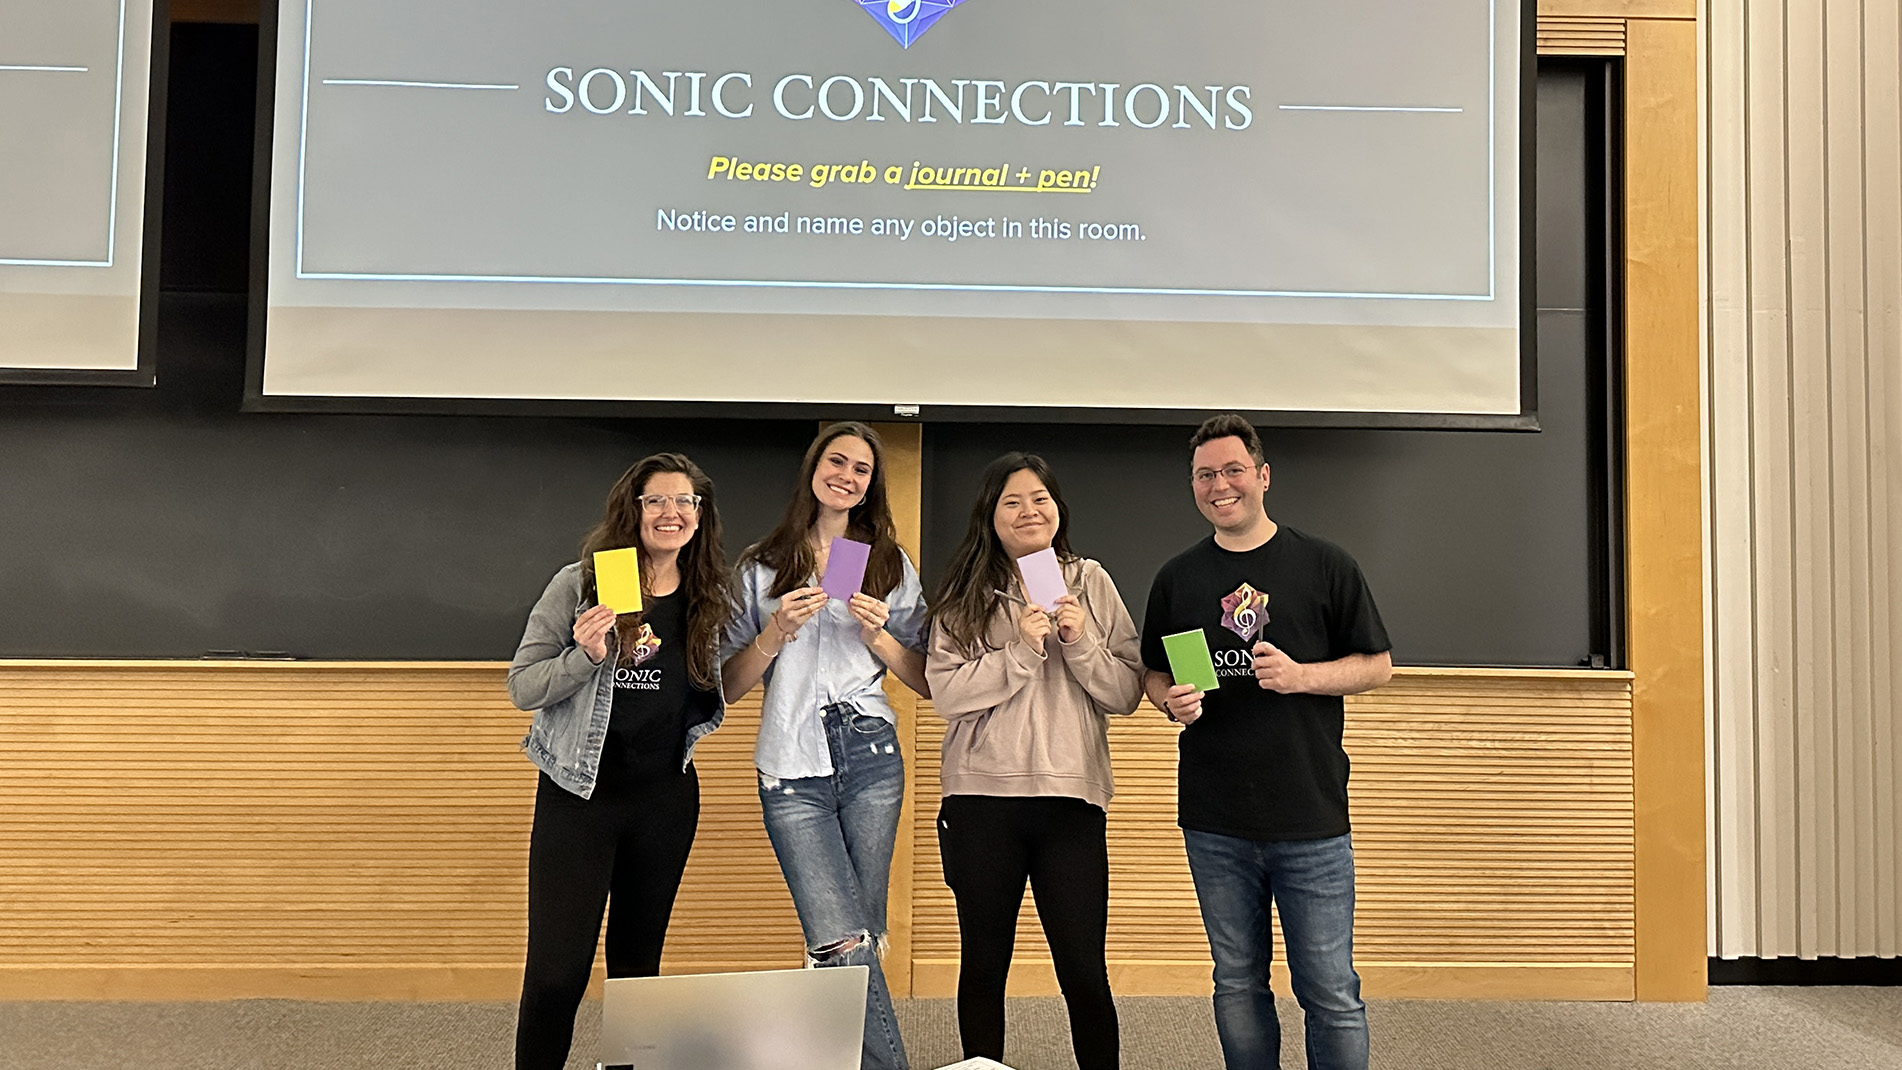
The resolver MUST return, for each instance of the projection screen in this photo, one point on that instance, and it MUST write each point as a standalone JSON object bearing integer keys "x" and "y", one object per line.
{"x": 932, "y": 205}
{"x": 75, "y": 77}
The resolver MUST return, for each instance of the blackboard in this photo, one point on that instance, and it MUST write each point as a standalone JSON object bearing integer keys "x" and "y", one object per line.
{"x": 1481, "y": 547}
{"x": 165, "y": 523}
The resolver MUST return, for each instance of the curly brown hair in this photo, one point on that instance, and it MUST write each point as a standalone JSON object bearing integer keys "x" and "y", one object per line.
{"x": 704, "y": 578}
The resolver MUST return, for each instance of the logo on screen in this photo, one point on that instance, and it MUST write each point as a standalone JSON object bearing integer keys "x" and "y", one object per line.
{"x": 1245, "y": 611}
{"x": 907, "y": 20}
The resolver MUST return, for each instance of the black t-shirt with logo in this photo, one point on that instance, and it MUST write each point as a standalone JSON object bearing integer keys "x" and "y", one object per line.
{"x": 651, "y": 690}
{"x": 1257, "y": 764}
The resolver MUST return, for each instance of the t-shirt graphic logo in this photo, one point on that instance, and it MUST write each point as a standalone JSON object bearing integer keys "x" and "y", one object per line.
{"x": 646, "y": 645}
{"x": 906, "y": 20}
{"x": 1245, "y": 612}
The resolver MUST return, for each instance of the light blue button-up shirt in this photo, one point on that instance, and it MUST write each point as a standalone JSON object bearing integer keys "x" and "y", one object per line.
{"x": 827, "y": 663}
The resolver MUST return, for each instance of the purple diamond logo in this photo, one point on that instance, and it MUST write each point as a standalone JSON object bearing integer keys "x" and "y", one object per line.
{"x": 907, "y": 20}
{"x": 1245, "y": 611}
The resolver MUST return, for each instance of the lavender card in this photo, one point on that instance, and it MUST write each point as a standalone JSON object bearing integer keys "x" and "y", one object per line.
{"x": 845, "y": 568}
{"x": 1043, "y": 577}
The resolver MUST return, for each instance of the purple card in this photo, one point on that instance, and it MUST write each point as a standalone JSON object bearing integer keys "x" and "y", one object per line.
{"x": 1043, "y": 577}
{"x": 845, "y": 568}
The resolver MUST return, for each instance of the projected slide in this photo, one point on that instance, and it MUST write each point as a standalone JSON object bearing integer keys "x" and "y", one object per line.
{"x": 73, "y": 89}
{"x": 931, "y": 202}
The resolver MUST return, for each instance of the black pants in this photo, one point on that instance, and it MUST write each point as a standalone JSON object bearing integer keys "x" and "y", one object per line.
{"x": 990, "y": 844}
{"x": 626, "y": 846}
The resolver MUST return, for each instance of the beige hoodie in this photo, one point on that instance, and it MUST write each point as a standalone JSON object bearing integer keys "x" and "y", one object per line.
{"x": 1024, "y": 723}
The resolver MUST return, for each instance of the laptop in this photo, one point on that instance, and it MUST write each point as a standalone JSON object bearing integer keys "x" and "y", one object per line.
{"x": 763, "y": 1020}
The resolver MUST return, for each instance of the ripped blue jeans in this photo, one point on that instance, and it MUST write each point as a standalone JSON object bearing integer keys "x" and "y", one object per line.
{"x": 834, "y": 835}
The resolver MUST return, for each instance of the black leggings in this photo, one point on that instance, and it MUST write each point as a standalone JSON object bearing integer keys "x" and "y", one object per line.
{"x": 990, "y": 844}
{"x": 627, "y": 845}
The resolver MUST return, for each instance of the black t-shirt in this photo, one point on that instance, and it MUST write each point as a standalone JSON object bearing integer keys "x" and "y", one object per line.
{"x": 651, "y": 690}
{"x": 1257, "y": 764}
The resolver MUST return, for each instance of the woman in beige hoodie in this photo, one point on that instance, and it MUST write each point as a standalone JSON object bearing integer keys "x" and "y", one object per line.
{"x": 1026, "y": 691}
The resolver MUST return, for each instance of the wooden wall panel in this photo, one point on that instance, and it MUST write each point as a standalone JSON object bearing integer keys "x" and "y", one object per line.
{"x": 904, "y": 482}
{"x": 311, "y": 830}
{"x": 1493, "y": 834}
{"x": 1618, "y": 9}
{"x": 1581, "y": 36}
{"x": 1664, "y": 524}
{"x": 218, "y": 830}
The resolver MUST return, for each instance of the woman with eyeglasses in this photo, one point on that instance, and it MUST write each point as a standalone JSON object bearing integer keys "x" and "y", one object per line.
{"x": 1027, "y": 691}
{"x": 831, "y": 775}
{"x": 619, "y": 702}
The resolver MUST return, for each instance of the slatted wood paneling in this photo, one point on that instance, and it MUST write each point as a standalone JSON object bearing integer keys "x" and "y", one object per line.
{"x": 360, "y": 831}
{"x": 1581, "y": 36}
{"x": 311, "y": 830}
{"x": 1803, "y": 143}
{"x": 1493, "y": 818}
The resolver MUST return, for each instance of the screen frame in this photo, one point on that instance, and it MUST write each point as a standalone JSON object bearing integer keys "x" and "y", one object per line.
{"x": 144, "y": 372}
{"x": 256, "y": 400}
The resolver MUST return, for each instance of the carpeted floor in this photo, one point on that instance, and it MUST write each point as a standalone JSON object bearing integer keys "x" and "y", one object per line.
{"x": 1738, "y": 1029}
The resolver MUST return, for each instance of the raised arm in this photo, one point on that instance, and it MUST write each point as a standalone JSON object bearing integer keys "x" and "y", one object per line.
{"x": 1181, "y": 703}
{"x": 1097, "y": 639}
{"x": 964, "y": 686}
{"x": 549, "y": 663}
{"x": 894, "y": 629}
{"x": 755, "y": 637}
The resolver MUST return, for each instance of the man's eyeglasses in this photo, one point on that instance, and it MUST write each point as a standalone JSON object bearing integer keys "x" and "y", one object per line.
{"x": 655, "y": 504}
{"x": 1205, "y": 476}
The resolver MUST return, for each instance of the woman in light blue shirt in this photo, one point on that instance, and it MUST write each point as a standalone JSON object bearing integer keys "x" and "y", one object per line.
{"x": 831, "y": 777}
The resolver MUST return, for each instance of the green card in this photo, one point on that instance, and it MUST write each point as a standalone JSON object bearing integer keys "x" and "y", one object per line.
{"x": 617, "y": 579}
{"x": 1189, "y": 659}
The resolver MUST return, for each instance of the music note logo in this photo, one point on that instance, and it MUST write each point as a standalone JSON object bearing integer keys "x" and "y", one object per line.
{"x": 646, "y": 645}
{"x": 1245, "y": 612}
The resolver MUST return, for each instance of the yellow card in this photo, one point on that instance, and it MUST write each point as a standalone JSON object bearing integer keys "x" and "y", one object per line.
{"x": 617, "y": 579}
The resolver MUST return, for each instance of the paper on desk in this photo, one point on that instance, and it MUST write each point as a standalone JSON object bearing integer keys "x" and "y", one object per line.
{"x": 617, "y": 579}
{"x": 1043, "y": 577}
{"x": 845, "y": 568}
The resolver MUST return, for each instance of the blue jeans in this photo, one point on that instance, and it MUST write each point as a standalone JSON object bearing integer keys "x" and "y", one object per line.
{"x": 834, "y": 835}
{"x": 1312, "y": 884}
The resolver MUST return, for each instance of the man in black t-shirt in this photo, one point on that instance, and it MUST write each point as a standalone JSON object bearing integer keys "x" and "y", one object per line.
{"x": 1262, "y": 782}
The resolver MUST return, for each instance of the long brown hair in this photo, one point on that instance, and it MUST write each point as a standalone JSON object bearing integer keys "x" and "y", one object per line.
{"x": 786, "y": 550}
{"x": 980, "y": 567}
{"x": 704, "y": 578}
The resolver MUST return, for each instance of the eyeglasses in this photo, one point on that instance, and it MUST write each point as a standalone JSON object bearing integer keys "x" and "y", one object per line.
{"x": 655, "y": 504}
{"x": 1205, "y": 476}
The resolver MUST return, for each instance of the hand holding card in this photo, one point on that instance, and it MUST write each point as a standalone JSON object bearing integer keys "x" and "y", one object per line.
{"x": 1043, "y": 578}
{"x": 617, "y": 579}
{"x": 1190, "y": 661}
{"x": 845, "y": 568}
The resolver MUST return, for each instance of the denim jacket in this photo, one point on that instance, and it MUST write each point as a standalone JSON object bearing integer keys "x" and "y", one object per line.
{"x": 572, "y": 697}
